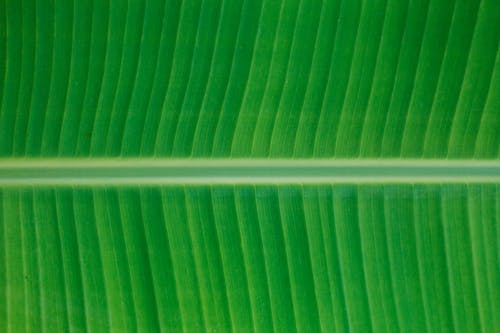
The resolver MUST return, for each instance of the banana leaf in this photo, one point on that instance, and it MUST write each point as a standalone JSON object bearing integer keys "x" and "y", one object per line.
{"x": 249, "y": 166}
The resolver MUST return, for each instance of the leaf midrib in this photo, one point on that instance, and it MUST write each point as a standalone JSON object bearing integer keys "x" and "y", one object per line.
{"x": 242, "y": 171}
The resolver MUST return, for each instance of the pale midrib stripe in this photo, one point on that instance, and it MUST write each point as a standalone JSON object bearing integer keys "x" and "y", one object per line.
{"x": 242, "y": 171}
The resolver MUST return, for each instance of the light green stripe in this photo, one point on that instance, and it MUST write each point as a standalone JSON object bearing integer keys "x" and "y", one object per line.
{"x": 222, "y": 171}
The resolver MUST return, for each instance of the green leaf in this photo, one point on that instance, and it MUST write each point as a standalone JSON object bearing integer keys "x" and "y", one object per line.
{"x": 249, "y": 166}
{"x": 288, "y": 257}
{"x": 290, "y": 79}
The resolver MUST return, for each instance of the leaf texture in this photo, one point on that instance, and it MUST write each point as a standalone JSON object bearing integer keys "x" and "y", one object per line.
{"x": 367, "y": 82}
{"x": 305, "y": 258}
{"x": 246, "y": 78}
